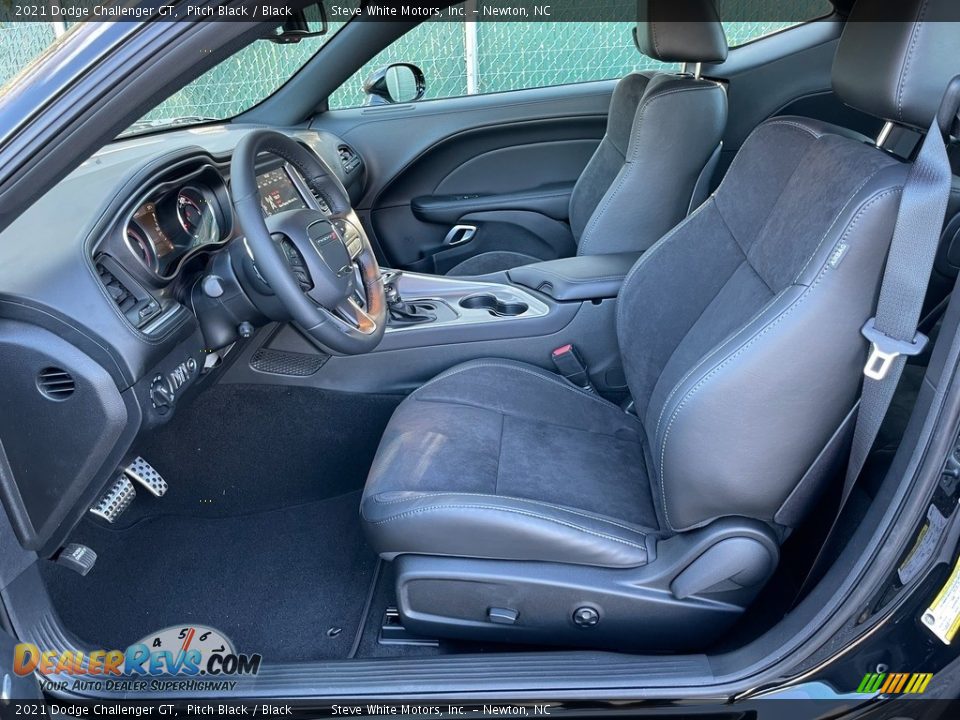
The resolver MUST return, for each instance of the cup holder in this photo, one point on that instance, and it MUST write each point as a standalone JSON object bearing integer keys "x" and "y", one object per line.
{"x": 493, "y": 305}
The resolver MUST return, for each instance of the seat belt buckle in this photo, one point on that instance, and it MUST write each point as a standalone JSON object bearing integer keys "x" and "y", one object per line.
{"x": 569, "y": 364}
{"x": 885, "y": 349}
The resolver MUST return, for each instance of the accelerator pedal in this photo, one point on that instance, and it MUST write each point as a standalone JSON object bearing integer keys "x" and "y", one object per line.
{"x": 115, "y": 500}
{"x": 142, "y": 472}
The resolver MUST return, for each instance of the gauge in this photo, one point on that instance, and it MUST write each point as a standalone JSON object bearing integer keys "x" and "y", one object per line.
{"x": 197, "y": 216}
{"x": 140, "y": 246}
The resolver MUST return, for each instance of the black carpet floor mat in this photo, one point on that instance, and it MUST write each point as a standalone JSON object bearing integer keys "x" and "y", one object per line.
{"x": 289, "y": 583}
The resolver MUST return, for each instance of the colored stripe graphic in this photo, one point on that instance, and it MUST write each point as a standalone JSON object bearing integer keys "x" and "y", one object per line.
{"x": 895, "y": 683}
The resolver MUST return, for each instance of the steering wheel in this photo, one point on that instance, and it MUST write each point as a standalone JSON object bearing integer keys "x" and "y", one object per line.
{"x": 321, "y": 268}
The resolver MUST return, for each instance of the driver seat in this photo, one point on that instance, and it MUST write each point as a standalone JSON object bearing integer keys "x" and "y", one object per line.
{"x": 518, "y": 507}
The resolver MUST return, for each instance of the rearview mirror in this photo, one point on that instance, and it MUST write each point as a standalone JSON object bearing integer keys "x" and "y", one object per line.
{"x": 397, "y": 83}
{"x": 311, "y": 21}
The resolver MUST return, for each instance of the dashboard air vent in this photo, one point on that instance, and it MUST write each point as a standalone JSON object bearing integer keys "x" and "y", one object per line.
{"x": 55, "y": 383}
{"x": 137, "y": 305}
{"x": 348, "y": 158}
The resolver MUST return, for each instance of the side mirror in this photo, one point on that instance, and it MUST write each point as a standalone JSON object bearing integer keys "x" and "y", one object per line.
{"x": 309, "y": 22}
{"x": 397, "y": 83}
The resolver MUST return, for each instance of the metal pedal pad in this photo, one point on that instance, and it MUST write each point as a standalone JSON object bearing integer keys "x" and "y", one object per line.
{"x": 115, "y": 500}
{"x": 143, "y": 472}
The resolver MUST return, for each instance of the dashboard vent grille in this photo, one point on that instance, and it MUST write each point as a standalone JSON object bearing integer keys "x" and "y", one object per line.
{"x": 348, "y": 158}
{"x": 55, "y": 383}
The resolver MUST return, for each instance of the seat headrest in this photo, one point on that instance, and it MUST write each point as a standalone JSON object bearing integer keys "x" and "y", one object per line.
{"x": 897, "y": 66}
{"x": 681, "y": 31}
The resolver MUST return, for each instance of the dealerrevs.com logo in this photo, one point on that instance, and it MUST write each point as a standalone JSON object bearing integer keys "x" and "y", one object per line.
{"x": 187, "y": 652}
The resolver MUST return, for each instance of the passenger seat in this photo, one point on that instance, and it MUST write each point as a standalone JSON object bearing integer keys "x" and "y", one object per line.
{"x": 662, "y": 142}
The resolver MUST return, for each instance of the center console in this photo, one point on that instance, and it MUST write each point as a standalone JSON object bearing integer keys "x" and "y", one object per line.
{"x": 435, "y": 322}
{"x": 416, "y": 301}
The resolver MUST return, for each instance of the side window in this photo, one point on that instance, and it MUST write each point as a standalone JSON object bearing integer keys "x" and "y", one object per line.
{"x": 470, "y": 58}
{"x": 746, "y": 20}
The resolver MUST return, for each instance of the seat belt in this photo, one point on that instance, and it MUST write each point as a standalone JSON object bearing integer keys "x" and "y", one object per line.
{"x": 893, "y": 332}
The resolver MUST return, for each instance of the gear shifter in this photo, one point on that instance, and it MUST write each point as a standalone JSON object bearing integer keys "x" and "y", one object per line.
{"x": 401, "y": 311}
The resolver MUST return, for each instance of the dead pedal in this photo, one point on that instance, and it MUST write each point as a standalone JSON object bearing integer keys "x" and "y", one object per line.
{"x": 142, "y": 472}
{"x": 115, "y": 500}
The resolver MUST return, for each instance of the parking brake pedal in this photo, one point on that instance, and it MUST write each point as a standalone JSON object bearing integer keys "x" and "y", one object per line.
{"x": 143, "y": 472}
{"x": 77, "y": 557}
{"x": 115, "y": 500}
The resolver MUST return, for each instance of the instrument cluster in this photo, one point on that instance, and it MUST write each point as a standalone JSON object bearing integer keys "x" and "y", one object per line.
{"x": 178, "y": 218}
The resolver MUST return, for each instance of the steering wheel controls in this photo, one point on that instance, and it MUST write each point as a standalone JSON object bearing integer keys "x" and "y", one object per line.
{"x": 142, "y": 472}
{"x": 115, "y": 500}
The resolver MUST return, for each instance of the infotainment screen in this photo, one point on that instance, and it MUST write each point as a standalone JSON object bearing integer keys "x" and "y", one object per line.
{"x": 277, "y": 192}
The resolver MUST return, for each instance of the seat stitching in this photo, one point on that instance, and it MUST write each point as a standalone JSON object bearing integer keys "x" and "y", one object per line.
{"x": 419, "y": 511}
{"x": 773, "y": 206}
{"x": 756, "y": 131}
{"x": 585, "y": 237}
{"x": 853, "y": 196}
{"x": 799, "y": 126}
{"x": 712, "y": 350}
{"x": 552, "y": 506}
{"x": 766, "y": 305}
{"x": 680, "y": 342}
{"x": 651, "y": 251}
{"x": 496, "y": 480}
{"x": 546, "y": 378}
{"x": 569, "y": 279}
{"x": 905, "y": 68}
{"x": 771, "y": 301}
{"x": 749, "y": 342}
{"x": 477, "y": 406}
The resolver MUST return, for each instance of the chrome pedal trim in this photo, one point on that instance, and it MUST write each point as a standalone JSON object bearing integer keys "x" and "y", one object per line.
{"x": 115, "y": 500}
{"x": 144, "y": 473}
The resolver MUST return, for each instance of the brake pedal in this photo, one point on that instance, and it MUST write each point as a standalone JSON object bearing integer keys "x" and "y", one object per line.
{"x": 144, "y": 473}
{"x": 115, "y": 500}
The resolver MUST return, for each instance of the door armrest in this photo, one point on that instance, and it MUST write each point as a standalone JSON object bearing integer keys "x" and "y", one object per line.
{"x": 552, "y": 200}
{"x": 586, "y": 277}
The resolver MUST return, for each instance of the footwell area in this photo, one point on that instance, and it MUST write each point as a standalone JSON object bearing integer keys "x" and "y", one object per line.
{"x": 258, "y": 535}
{"x": 290, "y": 584}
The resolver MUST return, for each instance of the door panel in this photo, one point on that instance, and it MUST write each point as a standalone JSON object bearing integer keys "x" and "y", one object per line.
{"x": 504, "y": 164}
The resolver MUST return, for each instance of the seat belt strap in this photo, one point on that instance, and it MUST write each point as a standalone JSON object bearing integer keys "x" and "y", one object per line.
{"x": 893, "y": 332}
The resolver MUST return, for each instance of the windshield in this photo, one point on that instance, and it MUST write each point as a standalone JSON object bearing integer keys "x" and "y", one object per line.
{"x": 236, "y": 84}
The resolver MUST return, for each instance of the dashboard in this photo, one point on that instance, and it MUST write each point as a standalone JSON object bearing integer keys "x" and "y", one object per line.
{"x": 277, "y": 192}
{"x": 191, "y": 211}
{"x": 121, "y": 290}
{"x": 178, "y": 217}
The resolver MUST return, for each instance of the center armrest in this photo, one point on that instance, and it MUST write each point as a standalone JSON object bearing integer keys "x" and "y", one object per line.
{"x": 585, "y": 277}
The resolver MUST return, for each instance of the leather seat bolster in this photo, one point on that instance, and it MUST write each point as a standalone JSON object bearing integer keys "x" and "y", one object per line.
{"x": 511, "y": 528}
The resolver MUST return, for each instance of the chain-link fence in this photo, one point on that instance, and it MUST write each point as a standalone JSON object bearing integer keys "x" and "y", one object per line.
{"x": 516, "y": 55}
{"x": 20, "y": 43}
{"x": 457, "y": 58}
